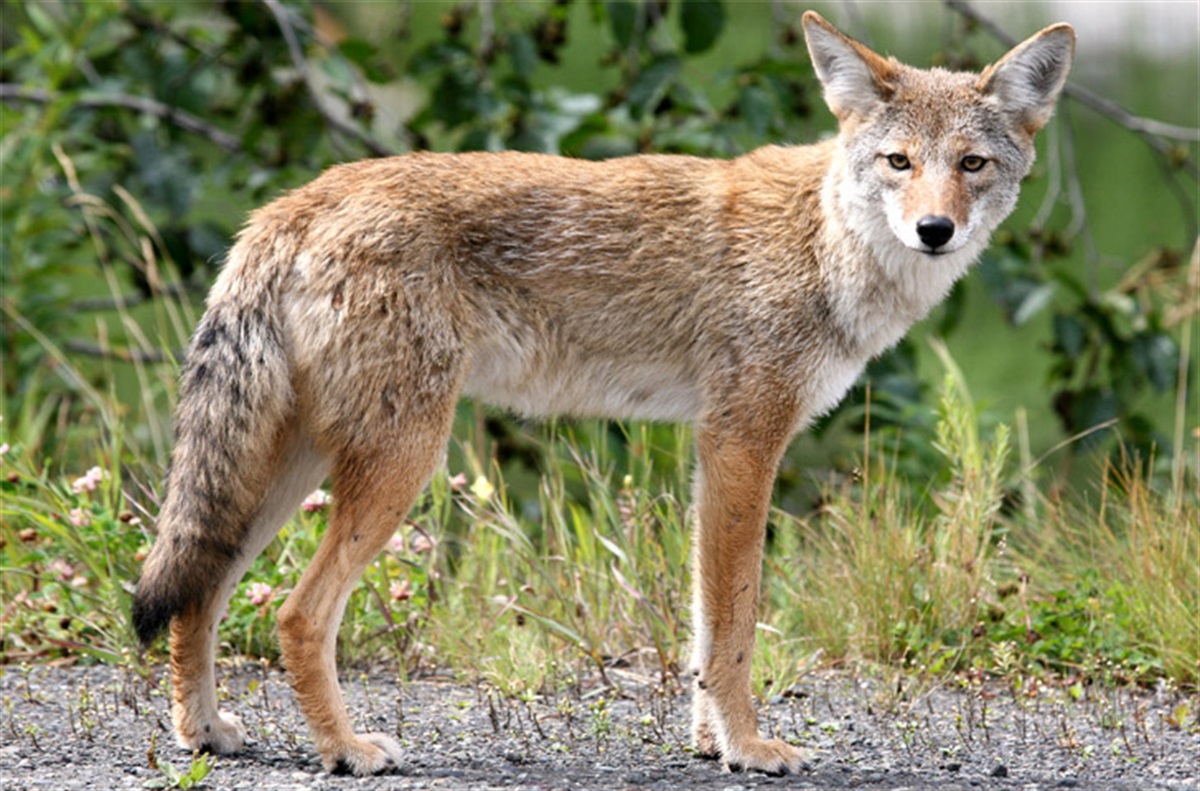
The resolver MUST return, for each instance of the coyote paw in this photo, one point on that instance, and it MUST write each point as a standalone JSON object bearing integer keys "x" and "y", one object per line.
{"x": 704, "y": 741}
{"x": 772, "y": 756}
{"x": 222, "y": 736}
{"x": 366, "y": 754}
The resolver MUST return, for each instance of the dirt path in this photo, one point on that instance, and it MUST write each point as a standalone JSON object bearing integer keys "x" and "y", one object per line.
{"x": 92, "y": 728}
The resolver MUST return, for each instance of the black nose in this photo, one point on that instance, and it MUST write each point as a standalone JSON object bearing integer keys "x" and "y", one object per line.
{"x": 935, "y": 231}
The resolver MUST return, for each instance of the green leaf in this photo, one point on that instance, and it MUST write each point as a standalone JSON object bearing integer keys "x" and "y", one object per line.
{"x": 1009, "y": 283}
{"x": 364, "y": 55}
{"x": 1070, "y": 335}
{"x": 652, "y": 84}
{"x": 481, "y": 138}
{"x": 523, "y": 53}
{"x": 952, "y": 310}
{"x": 202, "y": 764}
{"x": 357, "y": 50}
{"x": 607, "y": 147}
{"x": 456, "y": 99}
{"x": 1092, "y": 407}
{"x": 702, "y": 21}
{"x": 1156, "y": 356}
{"x": 42, "y": 21}
{"x": 622, "y": 18}
{"x": 757, "y": 109}
{"x": 1033, "y": 303}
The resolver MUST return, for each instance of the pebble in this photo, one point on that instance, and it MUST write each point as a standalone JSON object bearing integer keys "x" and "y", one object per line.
{"x": 507, "y": 752}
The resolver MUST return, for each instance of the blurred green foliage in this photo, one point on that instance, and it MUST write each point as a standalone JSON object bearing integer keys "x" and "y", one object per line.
{"x": 138, "y": 134}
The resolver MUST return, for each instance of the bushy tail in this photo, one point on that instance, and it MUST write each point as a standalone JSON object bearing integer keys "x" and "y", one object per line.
{"x": 235, "y": 396}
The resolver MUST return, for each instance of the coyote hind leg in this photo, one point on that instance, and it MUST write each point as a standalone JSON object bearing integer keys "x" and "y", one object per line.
{"x": 374, "y": 487}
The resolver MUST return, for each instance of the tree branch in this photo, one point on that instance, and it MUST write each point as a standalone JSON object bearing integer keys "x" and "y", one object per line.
{"x": 281, "y": 15}
{"x": 11, "y": 92}
{"x": 1151, "y": 131}
{"x": 95, "y": 304}
{"x": 125, "y": 355}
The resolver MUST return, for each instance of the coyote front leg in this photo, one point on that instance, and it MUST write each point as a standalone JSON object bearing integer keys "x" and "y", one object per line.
{"x": 733, "y": 492}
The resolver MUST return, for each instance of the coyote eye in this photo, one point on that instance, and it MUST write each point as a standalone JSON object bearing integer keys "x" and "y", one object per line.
{"x": 898, "y": 162}
{"x": 972, "y": 163}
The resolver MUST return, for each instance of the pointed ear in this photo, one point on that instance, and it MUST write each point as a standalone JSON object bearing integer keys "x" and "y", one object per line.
{"x": 855, "y": 79}
{"x": 1027, "y": 80}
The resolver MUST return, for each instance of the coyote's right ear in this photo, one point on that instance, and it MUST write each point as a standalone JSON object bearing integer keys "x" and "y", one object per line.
{"x": 856, "y": 80}
{"x": 1027, "y": 80}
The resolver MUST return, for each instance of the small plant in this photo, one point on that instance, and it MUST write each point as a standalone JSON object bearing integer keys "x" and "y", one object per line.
{"x": 1118, "y": 580}
{"x": 600, "y": 724}
{"x": 71, "y": 545}
{"x": 199, "y": 768}
{"x": 1178, "y": 718}
{"x": 85, "y": 711}
{"x": 33, "y": 731}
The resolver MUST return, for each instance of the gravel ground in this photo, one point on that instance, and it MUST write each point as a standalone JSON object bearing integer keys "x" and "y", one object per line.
{"x": 101, "y": 728}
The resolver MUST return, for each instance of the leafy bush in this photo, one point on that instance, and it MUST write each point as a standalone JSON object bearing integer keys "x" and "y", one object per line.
{"x": 137, "y": 136}
{"x": 141, "y": 135}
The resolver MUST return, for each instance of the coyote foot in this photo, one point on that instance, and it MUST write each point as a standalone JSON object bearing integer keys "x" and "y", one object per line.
{"x": 222, "y": 736}
{"x": 772, "y": 756}
{"x": 704, "y": 742}
{"x": 366, "y": 754}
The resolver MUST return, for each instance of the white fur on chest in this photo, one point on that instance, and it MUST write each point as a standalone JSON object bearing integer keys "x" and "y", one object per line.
{"x": 830, "y": 384}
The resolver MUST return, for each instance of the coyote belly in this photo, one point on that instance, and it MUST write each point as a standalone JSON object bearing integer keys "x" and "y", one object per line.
{"x": 632, "y": 391}
{"x": 743, "y": 296}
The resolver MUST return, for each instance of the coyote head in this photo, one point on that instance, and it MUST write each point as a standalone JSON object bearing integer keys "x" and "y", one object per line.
{"x": 934, "y": 158}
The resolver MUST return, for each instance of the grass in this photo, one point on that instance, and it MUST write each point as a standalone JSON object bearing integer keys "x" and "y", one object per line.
{"x": 1128, "y": 568}
{"x": 531, "y": 578}
{"x": 939, "y": 576}
{"x": 527, "y": 580}
{"x": 878, "y": 577}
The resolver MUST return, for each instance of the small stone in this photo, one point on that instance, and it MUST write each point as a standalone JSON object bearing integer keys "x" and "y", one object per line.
{"x": 1000, "y": 771}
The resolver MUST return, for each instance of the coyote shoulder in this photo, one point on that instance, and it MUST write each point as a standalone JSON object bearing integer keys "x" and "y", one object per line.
{"x": 744, "y": 296}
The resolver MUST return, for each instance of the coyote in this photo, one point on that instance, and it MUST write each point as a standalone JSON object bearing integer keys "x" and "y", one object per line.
{"x": 743, "y": 295}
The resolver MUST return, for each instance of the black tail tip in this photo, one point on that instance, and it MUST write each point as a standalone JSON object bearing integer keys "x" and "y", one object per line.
{"x": 151, "y": 615}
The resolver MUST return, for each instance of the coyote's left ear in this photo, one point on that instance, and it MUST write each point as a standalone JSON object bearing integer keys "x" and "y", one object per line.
{"x": 1028, "y": 79}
